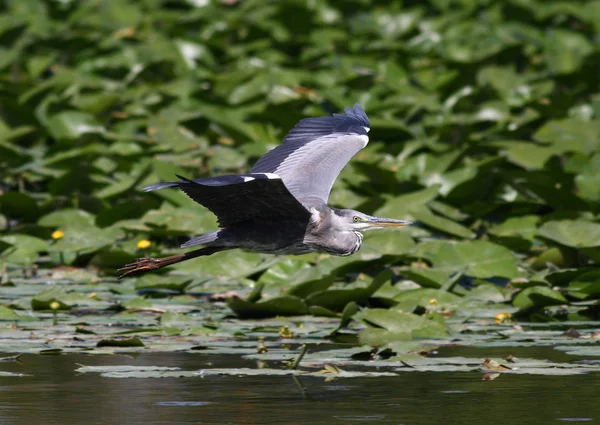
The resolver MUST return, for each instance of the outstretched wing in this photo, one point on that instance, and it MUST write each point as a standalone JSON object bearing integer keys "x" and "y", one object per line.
{"x": 237, "y": 198}
{"x": 315, "y": 151}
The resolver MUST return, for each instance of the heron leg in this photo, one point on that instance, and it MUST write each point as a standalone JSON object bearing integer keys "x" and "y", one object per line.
{"x": 143, "y": 265}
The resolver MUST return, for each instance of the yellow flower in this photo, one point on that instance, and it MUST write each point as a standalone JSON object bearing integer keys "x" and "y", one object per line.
{"x": 143, "y": 244}
{"x": 54, "y": 305}
{"x": 433, "y": 301}
{"x": 285, "y": 332}
{"x": 502, "y": 318}
{"x": 57, "y": 234}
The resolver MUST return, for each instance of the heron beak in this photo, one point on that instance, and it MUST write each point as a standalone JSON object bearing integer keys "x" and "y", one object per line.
{"x": 387, "y": 222}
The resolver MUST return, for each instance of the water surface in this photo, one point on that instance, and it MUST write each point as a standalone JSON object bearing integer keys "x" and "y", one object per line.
{"x": 54, "y": 394}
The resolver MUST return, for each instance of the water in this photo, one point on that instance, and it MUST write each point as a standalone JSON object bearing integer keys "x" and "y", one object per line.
{"x": 55, "y": 394}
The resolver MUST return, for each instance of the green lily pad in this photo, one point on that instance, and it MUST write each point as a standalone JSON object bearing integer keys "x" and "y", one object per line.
{"x": 338, "y": 299}
{"x": 53, "y": 299}
{"x": 125, "y": 342}
{"x": 278, "y": 306}
{"x": 476, "y": 258}
{"x": 73, "y": 124}
{"x": 411, "y": 299}
{"x": 8, "y": 314}
{"x": 585, "y": 285}
{"x": 566, "y": 50}
{"x": 538, "y": 296}
{"x": 388, "y": 326}
{"x": 19, "y": 205}
{"x": 123, "y": 368}
{"x": 24, "y": 249}
{"x": 573, "y": 233}
{"x": 524, "y": 227}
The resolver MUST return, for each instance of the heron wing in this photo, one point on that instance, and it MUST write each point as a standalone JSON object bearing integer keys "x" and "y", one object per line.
{"x": 236, "y": 198}
{"x": 315, "y": 151}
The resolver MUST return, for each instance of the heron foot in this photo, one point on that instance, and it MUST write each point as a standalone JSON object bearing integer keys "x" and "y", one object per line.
{"x": 140, "y": 265}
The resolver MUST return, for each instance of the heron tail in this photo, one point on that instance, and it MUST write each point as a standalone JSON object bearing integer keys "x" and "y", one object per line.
{"x": 143, "y": 265}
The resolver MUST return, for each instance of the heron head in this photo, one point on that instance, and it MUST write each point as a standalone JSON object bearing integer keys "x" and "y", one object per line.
{"x": 361, "y": 222}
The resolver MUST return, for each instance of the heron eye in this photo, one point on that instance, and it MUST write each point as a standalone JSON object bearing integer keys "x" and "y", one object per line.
{"x": 357, "y": 219}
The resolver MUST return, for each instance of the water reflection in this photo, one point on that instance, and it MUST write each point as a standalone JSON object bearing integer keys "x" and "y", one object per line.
{"x": 54, "y": 394}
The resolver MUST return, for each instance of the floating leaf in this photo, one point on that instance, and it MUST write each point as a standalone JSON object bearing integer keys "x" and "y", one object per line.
{"x": 538, "y": 296}
{"x": 338, "y": 299}
{"x": 24, "y": 249}
{"x": 73, "y": 124}
{"x": 476, "y": 258}
{"x": 573, "y": 233}
{"x": 124, "y": 368}
{"x": 392, "y": 326}
{"x": 425, "y": 297}
{"x": 278, "y": 306}
{"x": 566, "y": 50}
{"x": 126, "y": 342}
{"x": 53, "y": 299}
{"x": 8, "y": 314}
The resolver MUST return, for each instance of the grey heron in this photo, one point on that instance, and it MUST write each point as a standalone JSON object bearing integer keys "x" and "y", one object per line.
{"x": 280, "y": 206}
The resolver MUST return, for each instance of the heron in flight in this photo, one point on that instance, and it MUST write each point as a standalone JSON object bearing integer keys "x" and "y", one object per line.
{"x": 280, "y": 206}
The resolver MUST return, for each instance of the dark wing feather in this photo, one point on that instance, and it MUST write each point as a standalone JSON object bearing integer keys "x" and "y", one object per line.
{"x": 315, "y": 151}
{"x": 237, "y": 198}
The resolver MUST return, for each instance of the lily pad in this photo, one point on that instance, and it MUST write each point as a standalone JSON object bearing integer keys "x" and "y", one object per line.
{"x": 278, "y": 306}
{"x": 476, "y": 258}
{"x": 538, "y": 296}
{"x": 573, "y": 233}
{"x": 387, "y": 326}
{"x": 125, "y": 342}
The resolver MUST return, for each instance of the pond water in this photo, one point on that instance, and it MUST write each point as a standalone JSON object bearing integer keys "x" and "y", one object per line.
{"x": 54, "y": 393}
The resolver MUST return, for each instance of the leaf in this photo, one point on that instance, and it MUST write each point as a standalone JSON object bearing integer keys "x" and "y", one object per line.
{"x": 8, "y": 314}
{"x": 581, "y": 350}
{"x": 475, "y": 258}
{"x": 338, "y": 299}
{"x": 316, "y": 310}
{"x": 440, "y": 223}
{"x": 538, "y": 296}
{"x": 397, "y": 326}
{"x": 586, "y": 285}
{"x": 400, "y": 206}
{"x": 570, "y": 135}
{"x": 25, "y": 249}
{"x": 525, "y": 154}
{"x": 430, "y": 278}
{"x": 558, "y": 256}
{"x": 125, "y": 342}
{"x": 305, "y": 289}
{"x": 278, "y": 306}
{"x": 52, "y": 299}
{"x": 393, "y": 242}
{"x": 19, "y": 205}
{"x": 524, "y": 226}
{"x": 411, "y": 299}
{"x": 123, "y": 368}
{"x": 68, "y": 217}
{"x": 72, "y": 124}
{"x": 170, "y": 318}
{"x": 573, "y": 233}
{"x": 566, "y": 50}
{"x": 349, "y": 311}
{"x": 155, "y": 282}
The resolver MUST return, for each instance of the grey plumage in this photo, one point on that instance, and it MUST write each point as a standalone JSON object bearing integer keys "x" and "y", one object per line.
{"x": 280, "y": 207}
{"x": 315, "y": 151}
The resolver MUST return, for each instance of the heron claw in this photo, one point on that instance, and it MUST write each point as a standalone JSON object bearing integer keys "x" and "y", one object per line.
{"x": 139, "y": 266}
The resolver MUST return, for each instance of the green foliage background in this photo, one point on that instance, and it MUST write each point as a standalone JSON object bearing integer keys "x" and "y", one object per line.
{"x": 485, "y": 129}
